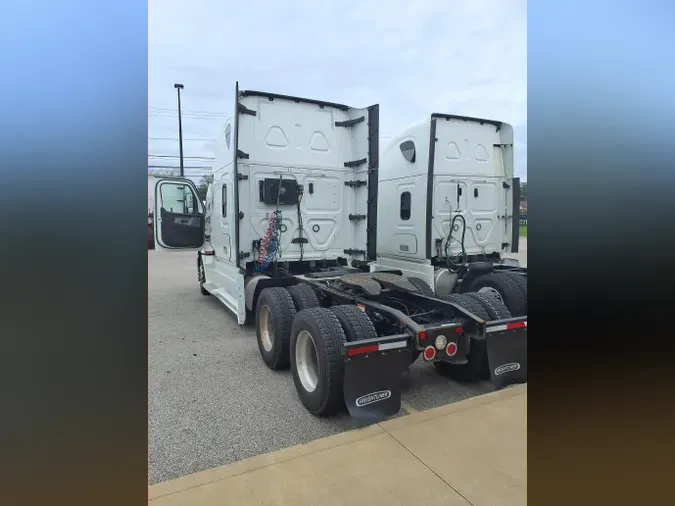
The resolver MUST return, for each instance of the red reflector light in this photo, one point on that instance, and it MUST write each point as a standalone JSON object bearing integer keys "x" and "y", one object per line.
{"x": 458, "y": 330}
{"x": 429, "y": 353}
{"x": 422, "y": 335}
{"x": 516, "y": 325}
{"x": 360, "y": 351}
{"x": 451, "y": 349}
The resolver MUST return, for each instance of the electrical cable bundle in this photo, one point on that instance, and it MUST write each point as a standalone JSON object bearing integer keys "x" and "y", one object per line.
{"x": 456, "y": 262}
{"x": 300, "y": 225}
{"x": 269, "y": 245}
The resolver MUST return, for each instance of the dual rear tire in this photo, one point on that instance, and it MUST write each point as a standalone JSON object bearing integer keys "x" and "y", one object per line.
{"x": 316, "y": 358}
{"x": 275, "y": 311}
{"x": 487, "y": 308}
{"x": 292, "y": 330}
{"x": 509, "y": 288}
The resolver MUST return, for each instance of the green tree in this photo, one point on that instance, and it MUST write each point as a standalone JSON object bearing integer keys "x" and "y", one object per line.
{"x": 204, "y": 186}
{"x": 523, "y": 190}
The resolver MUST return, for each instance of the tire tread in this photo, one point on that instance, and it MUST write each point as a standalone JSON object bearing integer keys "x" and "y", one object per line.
{"x": 422, "y": 286}
{"x": 360, "y": 323}
{"x": 283, "y": 313}
{"x": 495, "y": 309}
{"x": 303, "y": 296}
{"x": 332, "y": 337}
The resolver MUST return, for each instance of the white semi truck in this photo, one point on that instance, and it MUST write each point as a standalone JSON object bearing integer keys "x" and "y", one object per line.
{"x": 289, "y": 238}
{"x": 452, "y": 203}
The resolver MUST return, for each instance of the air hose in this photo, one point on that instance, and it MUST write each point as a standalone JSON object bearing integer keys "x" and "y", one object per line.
{"x": 269, "y": 245}
{"x": 456, "y": 262}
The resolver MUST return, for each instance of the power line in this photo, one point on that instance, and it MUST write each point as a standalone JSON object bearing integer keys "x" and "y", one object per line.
{"x": 194, "y": 116}
{"x": 202, "y": 158}
{"x": 174, "y": 114}
{"x": 173, "y": 111}
{"x": 176, "y": 138}
{"x": 178, "y": 168}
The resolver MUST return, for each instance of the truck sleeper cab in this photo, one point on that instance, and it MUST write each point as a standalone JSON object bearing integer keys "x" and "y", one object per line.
{"x": 448, "y": 189}
{"x": 286, "y": 237}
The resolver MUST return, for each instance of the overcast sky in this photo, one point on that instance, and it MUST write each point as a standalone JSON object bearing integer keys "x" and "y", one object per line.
{"x": 466, "y": 57}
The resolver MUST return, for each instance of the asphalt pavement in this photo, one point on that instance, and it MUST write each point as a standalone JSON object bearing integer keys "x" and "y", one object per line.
{"x": 214, "y": 402}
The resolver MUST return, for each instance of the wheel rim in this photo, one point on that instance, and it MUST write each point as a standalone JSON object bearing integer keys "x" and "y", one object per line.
{"x": 266, "y": 328}
{"x": 307, "y": 361}
{"x": 492, "y": 292}
{"x": 202, "y": 273}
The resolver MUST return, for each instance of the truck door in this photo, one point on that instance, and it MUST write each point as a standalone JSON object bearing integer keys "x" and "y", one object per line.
{"x": 221, "y": 218}
{"x": 179, "y": 215}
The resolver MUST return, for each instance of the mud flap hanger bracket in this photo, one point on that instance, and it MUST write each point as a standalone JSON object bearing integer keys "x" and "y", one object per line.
{"x": 364, "y": 346}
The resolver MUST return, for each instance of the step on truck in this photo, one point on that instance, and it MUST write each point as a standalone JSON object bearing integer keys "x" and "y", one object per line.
{"x": 287, "y": 238}
{"x": 459, "y": 173}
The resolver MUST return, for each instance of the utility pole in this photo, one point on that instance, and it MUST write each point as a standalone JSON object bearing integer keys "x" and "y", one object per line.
{"x": 180, "y": 129}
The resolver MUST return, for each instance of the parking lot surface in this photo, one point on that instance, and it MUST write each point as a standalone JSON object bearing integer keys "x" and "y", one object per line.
{"x": 213, "y": 401}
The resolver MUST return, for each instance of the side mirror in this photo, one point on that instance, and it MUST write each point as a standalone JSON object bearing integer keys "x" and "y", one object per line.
{"x": 408, "y": 150}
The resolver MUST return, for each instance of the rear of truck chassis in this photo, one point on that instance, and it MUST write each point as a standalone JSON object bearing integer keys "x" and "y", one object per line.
{"x": 371, "y": 363}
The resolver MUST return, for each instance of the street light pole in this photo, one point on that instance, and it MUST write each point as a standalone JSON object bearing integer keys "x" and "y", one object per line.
{"x": 180, "y": 129}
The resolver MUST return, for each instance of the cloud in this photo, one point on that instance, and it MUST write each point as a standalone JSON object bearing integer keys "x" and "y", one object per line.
{"x": 413, "y": 58}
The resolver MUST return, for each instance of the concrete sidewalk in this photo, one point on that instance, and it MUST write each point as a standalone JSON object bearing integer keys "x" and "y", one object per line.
{"x": 471, "y": 452}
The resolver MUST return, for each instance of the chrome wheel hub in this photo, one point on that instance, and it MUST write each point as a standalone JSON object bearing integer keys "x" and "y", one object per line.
{"x": 492, "y": 292}
{"x": 266, "y": 328}
{"x": 307, "y": 361}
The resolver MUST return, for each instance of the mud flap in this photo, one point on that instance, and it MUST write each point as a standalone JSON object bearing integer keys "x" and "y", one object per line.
{"x": 372, "y": 378}
{"x": 507, "y": 352}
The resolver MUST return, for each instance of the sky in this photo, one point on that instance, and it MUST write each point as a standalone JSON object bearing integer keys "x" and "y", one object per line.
{"x": 413, "y": 58}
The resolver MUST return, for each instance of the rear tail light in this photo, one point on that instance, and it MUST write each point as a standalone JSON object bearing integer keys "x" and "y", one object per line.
{"x": 451, "y": 349}
{"x": 429, "y": 353}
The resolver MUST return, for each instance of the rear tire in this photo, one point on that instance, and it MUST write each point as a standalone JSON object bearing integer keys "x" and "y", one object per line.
{"x": 355, "y": 323}
{"x": 520, "y": 280}
{"x": 422, "y": 286}
{"x": 512, "y": 293}
{"x": 468, "y": 303}
{"x": 496, "y": 310}
{"x": 303, "y": 296}
{"x": 476, "y": 366}
{"x": 274, "y": 317}
{"x": 316, "y": 360}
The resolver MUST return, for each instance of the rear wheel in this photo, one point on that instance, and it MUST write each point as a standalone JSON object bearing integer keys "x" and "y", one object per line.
{"x": 496, "y": 310}
{"x": 354, "y": 322}
{"x": 274, "y": 317}
{"x": 520, "y": 280}
{"x": 476, "y": 366}
{"x": 501, "y": 285}
{"x": 468, "y": 303}
{"x": 422, "y": 286}
{"x": 316, "y": 361}
{"x": 303, "y": 296}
